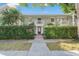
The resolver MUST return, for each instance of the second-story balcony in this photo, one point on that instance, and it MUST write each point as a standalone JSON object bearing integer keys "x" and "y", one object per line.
{"x": 39, "y": 23}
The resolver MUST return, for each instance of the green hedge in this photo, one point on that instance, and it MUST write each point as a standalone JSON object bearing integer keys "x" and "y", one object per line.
{"x": 16, "y": 32}
{"x": 60, "y": 32}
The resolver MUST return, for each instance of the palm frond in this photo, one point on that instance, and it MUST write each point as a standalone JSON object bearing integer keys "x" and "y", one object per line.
{"x": 23, "y": 4}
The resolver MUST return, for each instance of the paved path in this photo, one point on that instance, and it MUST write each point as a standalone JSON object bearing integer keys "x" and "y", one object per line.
{"x": 39, "y": 47}
{"x": 65, "y": 53}
{"x": 25, "y": 53}
{"x": 13, "y": 53}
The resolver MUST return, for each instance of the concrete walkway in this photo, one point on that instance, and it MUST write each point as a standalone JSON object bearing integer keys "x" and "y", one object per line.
{"x": 13, "y": 53}
{"x": 65, "y": 53}
{"x": 39, "y": 47}
{"x": 53, "y": 53}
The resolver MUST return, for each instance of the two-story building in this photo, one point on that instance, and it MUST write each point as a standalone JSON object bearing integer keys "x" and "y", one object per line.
{"x": 42, "y": 20}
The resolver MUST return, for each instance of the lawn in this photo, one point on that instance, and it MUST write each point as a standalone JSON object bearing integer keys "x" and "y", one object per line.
{"x": 20, "y": 45}
{"x": 64, "y": 45}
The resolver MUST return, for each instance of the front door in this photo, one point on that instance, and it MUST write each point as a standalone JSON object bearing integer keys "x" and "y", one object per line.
{"x": 39, "y": 30}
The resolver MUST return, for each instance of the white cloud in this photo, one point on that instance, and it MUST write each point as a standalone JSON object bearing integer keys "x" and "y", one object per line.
{"x": 12, "y": 4}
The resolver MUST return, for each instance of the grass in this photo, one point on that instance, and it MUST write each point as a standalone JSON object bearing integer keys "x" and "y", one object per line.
{"x": 64, "y": 45}
{"x": 19, "y": 45}
{"x": 54, "y": 46}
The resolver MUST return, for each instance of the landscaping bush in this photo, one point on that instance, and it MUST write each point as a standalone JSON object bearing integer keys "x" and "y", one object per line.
{"x": 16, "y": 32}
{"x": 61, "y": 32}
{"x": 50, "y": 24}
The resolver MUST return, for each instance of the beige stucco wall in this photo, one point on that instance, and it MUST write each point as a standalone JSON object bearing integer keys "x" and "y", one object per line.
{"x": 46, "y": 19}
{"x": 58, "y": 19}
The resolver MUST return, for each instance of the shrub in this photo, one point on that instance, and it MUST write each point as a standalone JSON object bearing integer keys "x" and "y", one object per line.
{"x": 60, "y": 32}
{"x": 16, "y": 32}
{"x": 50, "y": 24}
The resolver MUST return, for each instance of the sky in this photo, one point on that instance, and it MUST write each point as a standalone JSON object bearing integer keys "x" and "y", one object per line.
{"x": 37, "y": 10}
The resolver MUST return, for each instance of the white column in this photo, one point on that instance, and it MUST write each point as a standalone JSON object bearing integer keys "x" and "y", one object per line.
{"x": 73, "y": 19}
{"x": 58, "y": 22}
{"x": 36, "y": 30}
{"x": 61, "y": 22}
{"x": 42, "y": 30}
{"x": 60, "y": 19}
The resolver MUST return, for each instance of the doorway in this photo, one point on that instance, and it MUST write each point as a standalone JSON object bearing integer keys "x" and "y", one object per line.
{"x": 39, "y": 29}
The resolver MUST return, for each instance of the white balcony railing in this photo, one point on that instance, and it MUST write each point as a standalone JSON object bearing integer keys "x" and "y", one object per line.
{"x": 39, "y": 23}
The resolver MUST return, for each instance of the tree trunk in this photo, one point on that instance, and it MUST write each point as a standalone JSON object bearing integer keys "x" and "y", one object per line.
{"x": 77, "y": 13}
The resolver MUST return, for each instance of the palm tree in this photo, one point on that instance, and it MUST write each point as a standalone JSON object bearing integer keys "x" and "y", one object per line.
{"x": 11, "y": 16}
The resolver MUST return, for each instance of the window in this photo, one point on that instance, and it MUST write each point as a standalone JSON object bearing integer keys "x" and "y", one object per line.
{"x": 39, "y": 20}
{"x": 52, "y": 19}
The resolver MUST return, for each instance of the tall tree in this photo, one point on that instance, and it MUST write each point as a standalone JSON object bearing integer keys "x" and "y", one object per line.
{"x": 68, "y": 7}
{"x": 11, "y": 16}
{"x": 37, "y": 4}
{"x": 23, "y": 4}
{"x": 77, "y": 13}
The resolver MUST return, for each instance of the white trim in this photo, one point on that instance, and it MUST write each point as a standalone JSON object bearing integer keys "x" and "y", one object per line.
{"x": 47, "y": 14}
{"x": 73, "y": 19}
